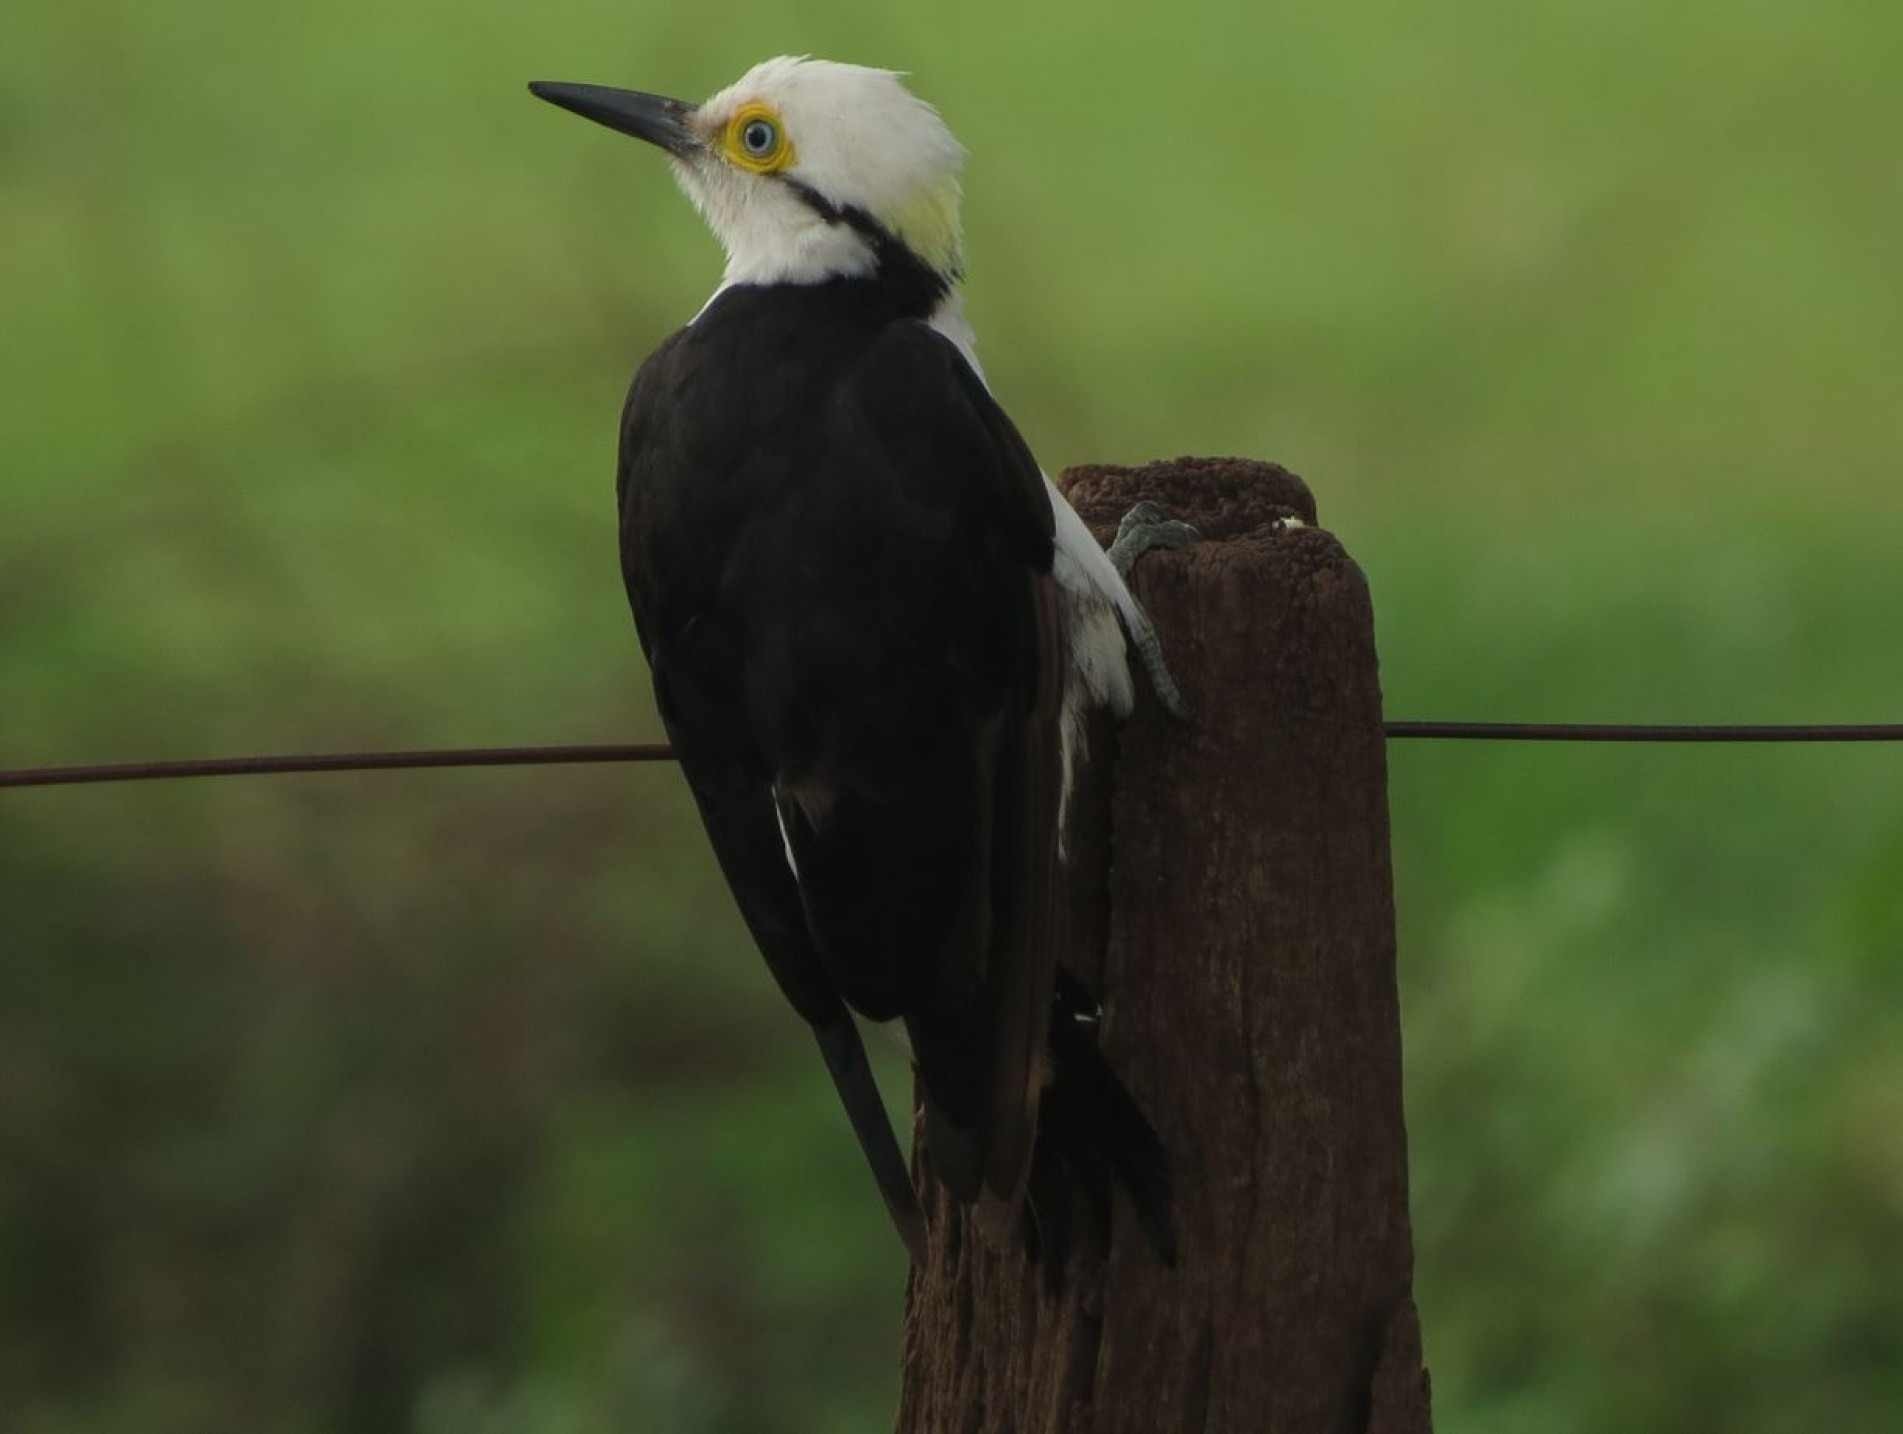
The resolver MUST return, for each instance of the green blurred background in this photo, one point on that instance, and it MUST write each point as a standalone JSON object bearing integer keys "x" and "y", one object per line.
{"x": 459, "y": 1102}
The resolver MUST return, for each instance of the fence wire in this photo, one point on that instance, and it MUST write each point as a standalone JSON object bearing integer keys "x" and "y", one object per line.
{"x": 272, "y": 765}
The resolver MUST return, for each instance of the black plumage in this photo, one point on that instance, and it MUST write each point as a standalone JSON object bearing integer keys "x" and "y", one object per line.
{"x": 838, "y": 552}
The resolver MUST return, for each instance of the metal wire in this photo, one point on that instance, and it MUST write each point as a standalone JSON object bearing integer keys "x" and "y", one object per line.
{"x": 333, "y": 762}
{"x": 1644, "y": 732}
{"x": 658, "y": 752}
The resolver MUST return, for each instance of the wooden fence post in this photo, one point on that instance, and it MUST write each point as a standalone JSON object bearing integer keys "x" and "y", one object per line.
{"x": 1244, "y": 948}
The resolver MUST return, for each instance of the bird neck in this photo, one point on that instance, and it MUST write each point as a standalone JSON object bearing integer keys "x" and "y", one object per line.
{"x": 847, "y": 244}
{"x": 814, "y": 253}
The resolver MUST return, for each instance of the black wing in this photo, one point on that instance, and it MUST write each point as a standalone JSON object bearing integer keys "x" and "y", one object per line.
{"x": 843, "y": 589}
{"x": 929, "y": 867}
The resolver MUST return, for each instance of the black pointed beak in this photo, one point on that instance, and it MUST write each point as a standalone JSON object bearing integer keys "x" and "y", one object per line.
{"x": 654, "y": 118}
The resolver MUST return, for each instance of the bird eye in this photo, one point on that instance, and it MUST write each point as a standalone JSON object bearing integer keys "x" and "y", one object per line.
{"x": 756, "y": 141}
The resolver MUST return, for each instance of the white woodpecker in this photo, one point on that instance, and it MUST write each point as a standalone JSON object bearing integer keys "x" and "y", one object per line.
{"x": 875, "y": 629}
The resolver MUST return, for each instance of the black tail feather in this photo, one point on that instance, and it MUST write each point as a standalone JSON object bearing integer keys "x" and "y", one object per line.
{"x": 1091, "y": 1136}
{"x": 852, "y": 1076}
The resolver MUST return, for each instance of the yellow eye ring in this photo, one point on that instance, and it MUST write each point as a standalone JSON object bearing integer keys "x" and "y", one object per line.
{"x": 756, "y": 139}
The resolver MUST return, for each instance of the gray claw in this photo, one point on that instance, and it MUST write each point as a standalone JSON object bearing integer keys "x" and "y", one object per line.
{"x": 1144, "y": 527}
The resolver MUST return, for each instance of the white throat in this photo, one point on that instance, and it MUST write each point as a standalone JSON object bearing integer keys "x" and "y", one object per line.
{"x": 810, "y": 254}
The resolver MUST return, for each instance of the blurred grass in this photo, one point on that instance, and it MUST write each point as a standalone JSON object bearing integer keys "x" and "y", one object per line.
{"x": 459, "y": 1102}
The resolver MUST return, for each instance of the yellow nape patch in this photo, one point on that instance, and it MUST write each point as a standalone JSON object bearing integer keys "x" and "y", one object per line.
{"x": 756, "y": 139}
{"x": 928, "y": 225}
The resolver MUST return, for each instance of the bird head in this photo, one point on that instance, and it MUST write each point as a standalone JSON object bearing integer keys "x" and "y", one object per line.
{"x": 805, "y": 169}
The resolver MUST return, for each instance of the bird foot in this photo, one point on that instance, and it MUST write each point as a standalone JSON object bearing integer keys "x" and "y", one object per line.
{"x": 1144, "y": 527}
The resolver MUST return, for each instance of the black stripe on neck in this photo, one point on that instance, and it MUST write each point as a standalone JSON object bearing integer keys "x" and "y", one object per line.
{"x": 913, "y": 286}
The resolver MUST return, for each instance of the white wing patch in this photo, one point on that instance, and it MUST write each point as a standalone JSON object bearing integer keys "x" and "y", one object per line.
{"x": 1095, "y": 597}
{"x": 779, "y": 815}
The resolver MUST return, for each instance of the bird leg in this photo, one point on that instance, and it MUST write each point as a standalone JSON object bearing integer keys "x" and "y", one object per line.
{"x": 1144, "y": 527}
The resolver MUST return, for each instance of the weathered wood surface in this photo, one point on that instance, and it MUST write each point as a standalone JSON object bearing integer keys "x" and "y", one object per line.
{"x": 1244, "y": 948}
